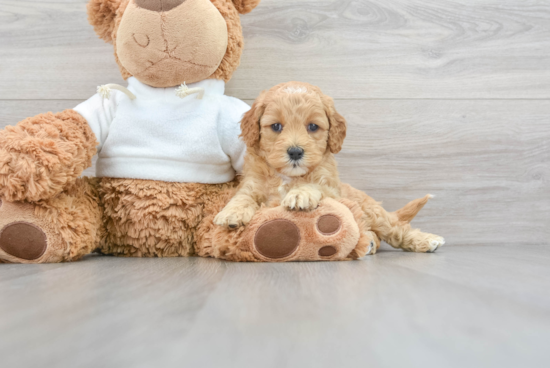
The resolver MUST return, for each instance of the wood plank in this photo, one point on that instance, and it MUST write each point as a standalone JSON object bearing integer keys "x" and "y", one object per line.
{"x": 359, "y": 314}
{"x": 487, "y": 162}
{"x": 352, "y": 49}
{"x": 434, "y": 309}
{"x": 485, "y": 268}
{"x": 71, "y": 317}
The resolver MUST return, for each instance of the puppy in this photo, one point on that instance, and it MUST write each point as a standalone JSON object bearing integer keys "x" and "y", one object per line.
{"x": 292, "y": 133}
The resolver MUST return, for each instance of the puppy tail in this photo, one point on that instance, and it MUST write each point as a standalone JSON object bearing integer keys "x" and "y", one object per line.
{"x": 409, "y": 212}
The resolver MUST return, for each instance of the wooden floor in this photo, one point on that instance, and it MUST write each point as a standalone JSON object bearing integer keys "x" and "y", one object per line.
{"x": 465, "y": 306}
{"x": 448, "y": 97}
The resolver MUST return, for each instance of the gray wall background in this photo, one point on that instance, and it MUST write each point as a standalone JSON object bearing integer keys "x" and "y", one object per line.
{"x": 444, "y": 97}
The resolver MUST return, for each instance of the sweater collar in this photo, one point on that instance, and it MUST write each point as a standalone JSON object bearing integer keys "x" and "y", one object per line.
{"x": 211, "y": 87}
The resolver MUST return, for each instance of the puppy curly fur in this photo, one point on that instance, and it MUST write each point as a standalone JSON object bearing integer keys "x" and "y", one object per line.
{"x": 272, "y": 178}
{"x": 270, "y": 175}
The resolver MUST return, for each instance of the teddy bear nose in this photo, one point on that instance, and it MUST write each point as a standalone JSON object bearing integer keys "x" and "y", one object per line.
{"x": 295, "y": 153}
{"x": 159, "y": 5}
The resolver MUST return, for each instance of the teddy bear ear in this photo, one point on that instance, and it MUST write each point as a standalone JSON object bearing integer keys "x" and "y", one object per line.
{"x": 101, "y": 15}
{"x": 245, "y": 6}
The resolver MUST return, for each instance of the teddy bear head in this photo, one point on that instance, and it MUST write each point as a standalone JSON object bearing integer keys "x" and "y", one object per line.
{"x": 164, "y": 43}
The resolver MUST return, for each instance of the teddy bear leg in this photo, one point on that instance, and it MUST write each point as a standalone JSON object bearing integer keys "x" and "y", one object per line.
{"x": 60, "y": 229}
{"x": 147, "y": 218}
{"x": 332, "y": 232}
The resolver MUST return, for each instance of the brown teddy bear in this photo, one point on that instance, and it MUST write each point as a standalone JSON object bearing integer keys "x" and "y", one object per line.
{"x": 168, "y": 154}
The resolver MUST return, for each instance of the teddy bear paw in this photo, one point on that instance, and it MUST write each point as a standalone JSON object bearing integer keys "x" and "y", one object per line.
{"x": 329, "y": 233}
{"x": 22, "y": 235}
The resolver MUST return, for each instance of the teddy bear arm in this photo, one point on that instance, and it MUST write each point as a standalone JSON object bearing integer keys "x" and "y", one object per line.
{"x": 43, "y": 155}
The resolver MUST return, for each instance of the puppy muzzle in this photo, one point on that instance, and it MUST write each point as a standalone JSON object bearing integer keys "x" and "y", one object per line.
{"x": 295, "y": 154}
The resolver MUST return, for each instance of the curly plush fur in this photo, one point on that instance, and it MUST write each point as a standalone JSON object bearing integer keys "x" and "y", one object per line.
{"x": 102, "y": 15}
{"x": 78, "y": 216}
{"x": 71, "y": 221}
{"x": 41, "y": 156}
{"x": 245, "y": 6}
{"x": 146, "y": 218}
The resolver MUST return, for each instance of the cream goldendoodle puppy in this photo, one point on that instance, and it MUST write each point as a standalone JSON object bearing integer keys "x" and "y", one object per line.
{"x": 292, "y": 133}
{"x": 294, "y": 161}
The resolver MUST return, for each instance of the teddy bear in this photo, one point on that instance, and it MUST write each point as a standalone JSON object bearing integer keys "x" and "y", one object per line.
{"x": 169, "y": 155}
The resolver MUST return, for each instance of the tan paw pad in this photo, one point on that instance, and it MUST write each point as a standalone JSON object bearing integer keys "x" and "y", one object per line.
{"x": 25, "y": 237}
{"x": 23, "y": 240}
{"x": 328, "y": 251}
{"x": 329, "y": 225}
{"x": 277, "y": 239}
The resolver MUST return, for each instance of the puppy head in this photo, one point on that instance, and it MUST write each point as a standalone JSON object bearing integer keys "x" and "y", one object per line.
{"x": 292, "y": 126}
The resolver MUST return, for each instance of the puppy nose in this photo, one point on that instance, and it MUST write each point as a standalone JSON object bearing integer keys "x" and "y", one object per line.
{"x": 295, "y": 153}
{"x": 159, "y": 5}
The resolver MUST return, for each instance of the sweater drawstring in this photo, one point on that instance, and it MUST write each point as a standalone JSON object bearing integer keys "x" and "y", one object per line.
{"x": 105, "y": 91}
{"x": 184, "y": 91}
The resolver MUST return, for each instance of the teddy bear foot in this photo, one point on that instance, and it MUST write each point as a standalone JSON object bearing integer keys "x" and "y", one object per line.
{"x": 329, "y": 233}
{"x": 24, "y": 238}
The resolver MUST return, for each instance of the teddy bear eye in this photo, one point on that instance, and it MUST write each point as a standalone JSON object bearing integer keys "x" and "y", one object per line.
{"x": 277, "y": 127}
{"x": 313, "y": 127}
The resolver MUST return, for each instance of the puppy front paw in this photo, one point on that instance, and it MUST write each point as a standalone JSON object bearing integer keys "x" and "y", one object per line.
{"x": 301, "y": 199}
{"x": 234, "y": 218}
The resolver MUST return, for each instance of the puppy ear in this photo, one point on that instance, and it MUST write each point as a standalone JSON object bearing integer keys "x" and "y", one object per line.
{"x": 101, "y": 15}
{"x": 338, "y": 125}
{"x": 250, "y": 124}
{"x": 245, "y": 6}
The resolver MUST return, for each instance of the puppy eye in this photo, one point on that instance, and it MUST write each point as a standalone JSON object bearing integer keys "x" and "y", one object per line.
{"x": 277, "y": 127}
{"x": 313, "y": 127}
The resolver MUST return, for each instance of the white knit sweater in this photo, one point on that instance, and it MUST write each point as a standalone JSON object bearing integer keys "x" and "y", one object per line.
{"x": 160, "y": 136}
